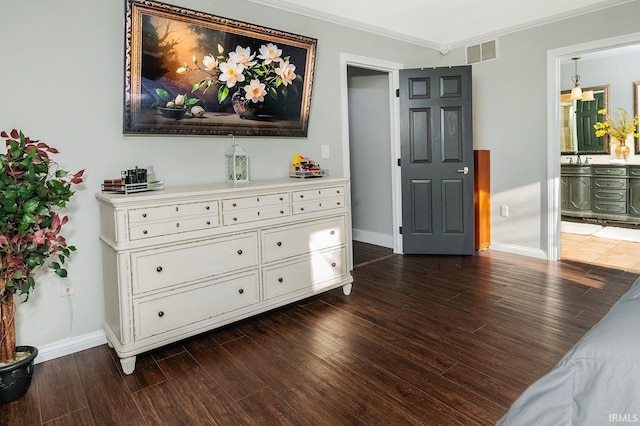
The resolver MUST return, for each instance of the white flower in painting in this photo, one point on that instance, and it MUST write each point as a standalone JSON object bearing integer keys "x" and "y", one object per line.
{"x": 286, "y": 72}
{"x": 231, "y": 73}
{"x": 209, "y": 62}
{"x": 255, "y": 91}
{"x": 243, "y": 56}
{"x": 197, "y": 111}
{"x": 179, "y": 101}
{"x": 270, "y": 53}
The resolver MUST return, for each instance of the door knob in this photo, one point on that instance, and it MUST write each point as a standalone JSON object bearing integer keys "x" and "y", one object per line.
{"x": 463, "y": 170}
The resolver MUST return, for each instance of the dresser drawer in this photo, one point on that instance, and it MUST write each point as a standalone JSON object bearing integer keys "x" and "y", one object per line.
{"x": 310, "y": 206}
{"x": 280, "y": 243}
{"x": 255, "y": 202}
{"x": 251, "y": 215}
{"x": 314, "y": 194}
{"x": 155, "y": 229}
{"x": 609, "y": 207}
{"x": 307, "y": 275}
{"x": 575, "y": 170}
{"x": 610, "y": 195}
{"x": 612, "y": 183}
{"x": 634, "y": 171}
{"x": 609, "y": 171}
{"x": 160, "y": 268}
{"x": 155, "y": 315}
{"x": 173, "y": 211}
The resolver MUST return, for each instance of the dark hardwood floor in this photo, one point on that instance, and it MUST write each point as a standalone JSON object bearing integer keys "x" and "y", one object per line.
{"x": 421, "y": 340}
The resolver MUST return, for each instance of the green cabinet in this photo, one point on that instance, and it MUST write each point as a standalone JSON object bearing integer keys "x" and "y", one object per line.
{"x": 575, "y": 187}
{"x": 634, "y": 191}
{"x": 610, "y": 190}
{"x": 600, "y": 191}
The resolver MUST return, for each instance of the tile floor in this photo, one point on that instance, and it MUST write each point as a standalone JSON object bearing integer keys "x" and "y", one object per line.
{"x": 616, "y": 254}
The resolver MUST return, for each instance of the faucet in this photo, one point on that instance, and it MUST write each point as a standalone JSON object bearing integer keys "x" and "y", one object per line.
{"x": 578, "y": 161}
{"x": 586, "y": 161}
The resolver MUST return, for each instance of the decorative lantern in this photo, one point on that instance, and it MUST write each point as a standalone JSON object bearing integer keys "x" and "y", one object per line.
{"x": 237, "y": 164}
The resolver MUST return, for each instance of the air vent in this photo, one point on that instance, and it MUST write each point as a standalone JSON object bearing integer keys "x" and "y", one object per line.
{"x": 482, "y": 52}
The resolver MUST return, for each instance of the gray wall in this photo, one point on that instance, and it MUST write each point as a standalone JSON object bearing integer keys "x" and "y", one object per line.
{"x": 510, "y": 118}
{"x": 62, "y": 79}
{"x": 62, "y": 82}
{"x": 370, "y": 156}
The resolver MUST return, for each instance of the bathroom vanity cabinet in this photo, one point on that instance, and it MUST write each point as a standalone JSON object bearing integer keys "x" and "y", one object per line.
{"x": 182, "y": 261}
{"x": 606, "y": 192}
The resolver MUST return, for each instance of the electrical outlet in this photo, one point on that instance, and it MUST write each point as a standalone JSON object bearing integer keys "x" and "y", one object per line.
{"x": 67, "y": 287}
{"x": 504, "y": 211}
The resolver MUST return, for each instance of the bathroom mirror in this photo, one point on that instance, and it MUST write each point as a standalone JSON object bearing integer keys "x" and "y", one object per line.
{"x": 636, "y": 108}
{"x": 577, "y": 119}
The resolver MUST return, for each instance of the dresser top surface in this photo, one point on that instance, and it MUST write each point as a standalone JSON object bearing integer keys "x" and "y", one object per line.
{"x": 218, "y": 190}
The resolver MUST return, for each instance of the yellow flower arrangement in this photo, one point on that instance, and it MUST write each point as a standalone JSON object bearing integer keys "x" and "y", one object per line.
{"x": 619, "y": 128}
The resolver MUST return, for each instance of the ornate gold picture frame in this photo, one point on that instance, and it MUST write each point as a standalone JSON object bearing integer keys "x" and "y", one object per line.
{"x": 193, "y": 73}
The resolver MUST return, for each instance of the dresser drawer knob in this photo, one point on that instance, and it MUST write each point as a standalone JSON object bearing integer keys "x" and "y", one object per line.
{"x": 208, "y": 222}
{"x": 333, "y": 232}
{"x": 239, "y": 251}
{"x": 258, "y": 199}
{"x": 161, "y": 314}
{"x": 159, "y": 269}
{"x": 280, "y": 280}
{"x": 279, "y": 243}
{"x": 144, "y": 215}
{"x": 177, "y": 208}
{"x": 301, "y": 209}
{"x": 281, "y": 211}
{"x": 241, "y": 291}
{"x": 234, "y": 204}
{"x": 207, "y": 207}
{"x": 333, "y": 264}
{"x": 258, "y": 213}
{"x": 338, "y": 202}
{"x": 281, "y": 199}
{"x": 301, "y": 195}
{"x": 177, "y": 225}
{"x": 235, "y": 219}
{"x": 144, "y": 231}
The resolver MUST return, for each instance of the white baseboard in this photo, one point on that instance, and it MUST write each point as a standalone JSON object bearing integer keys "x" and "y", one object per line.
{"x": 524, "y": 251}
{"x": 382, "y": 240}
{"x": 71, "y": 345}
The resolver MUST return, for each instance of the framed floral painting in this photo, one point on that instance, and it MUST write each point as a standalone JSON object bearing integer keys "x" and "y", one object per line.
{"x": 192, "y": 73}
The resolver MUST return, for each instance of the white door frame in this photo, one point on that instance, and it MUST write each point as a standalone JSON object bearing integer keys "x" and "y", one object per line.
{"x": 393, "y": 71}
{"x": 554, "y": 57}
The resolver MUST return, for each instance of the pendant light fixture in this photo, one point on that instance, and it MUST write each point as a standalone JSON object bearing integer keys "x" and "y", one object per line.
{"x": 576, "y": 93}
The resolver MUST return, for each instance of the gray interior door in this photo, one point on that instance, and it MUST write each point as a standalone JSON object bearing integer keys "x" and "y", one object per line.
{"x": 437, "y": 161}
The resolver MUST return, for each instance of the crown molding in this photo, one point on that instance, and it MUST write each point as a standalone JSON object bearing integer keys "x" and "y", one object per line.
{"x": 350, "y": 23}
{"x": 441, "y": 47}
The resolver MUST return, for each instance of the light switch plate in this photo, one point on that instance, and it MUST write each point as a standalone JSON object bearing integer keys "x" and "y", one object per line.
{"x": 325, "y": 151}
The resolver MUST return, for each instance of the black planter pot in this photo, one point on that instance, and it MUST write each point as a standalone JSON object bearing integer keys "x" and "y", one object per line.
{"x": 15, "y": 379}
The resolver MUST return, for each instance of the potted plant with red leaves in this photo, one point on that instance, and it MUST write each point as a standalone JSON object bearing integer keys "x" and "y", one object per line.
{"x": 32, "y": 191}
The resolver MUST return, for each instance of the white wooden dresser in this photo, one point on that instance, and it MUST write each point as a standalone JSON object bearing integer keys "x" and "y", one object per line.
{"x": 185, "y": 260}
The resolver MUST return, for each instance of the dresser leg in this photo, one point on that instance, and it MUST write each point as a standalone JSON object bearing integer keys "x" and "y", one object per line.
{"x": 128, "y": 364}
{"x": 346, "y": 289}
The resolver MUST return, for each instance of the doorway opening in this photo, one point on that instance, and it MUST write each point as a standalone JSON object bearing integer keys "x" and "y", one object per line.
{"x": 558, "y": 246}
{"x": 371, "y": 146}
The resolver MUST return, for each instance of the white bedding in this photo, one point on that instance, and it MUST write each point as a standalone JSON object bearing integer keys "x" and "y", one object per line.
{"x": 597, "y": 382}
